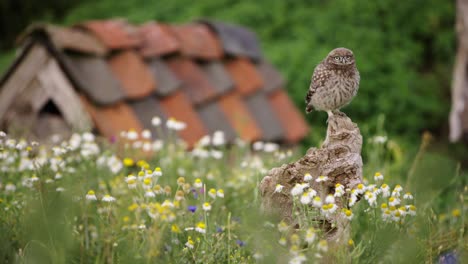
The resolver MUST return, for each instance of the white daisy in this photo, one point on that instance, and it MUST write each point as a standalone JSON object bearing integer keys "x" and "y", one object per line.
{"x": 378, "y": 176}
{"x": 317, "y": 202}
{"x": 408, "y": 196}
{"x": 108, "y": 199}
{"x": 310, "y": 235}
{"x": 385, "y": 190}
{"x": 348, "y": 214}
{"x": 297, "y": 190}
{"x": 278, "y": 188}
{"x": 155, "y": 121}
{"x": 394, "y": 201}
{"x": 330, "y": 199}
{"x": 305, "y": 198}
{"x": 206, "y": 206}
{"x": 91, "y": 196}
{"x": 322, "y": 178}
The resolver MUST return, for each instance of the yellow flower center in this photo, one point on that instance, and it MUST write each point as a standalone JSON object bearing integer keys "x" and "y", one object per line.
{"x": 201, "y": 225}
{"x": 128, "y": 162}
{"x": 147, "y": 181}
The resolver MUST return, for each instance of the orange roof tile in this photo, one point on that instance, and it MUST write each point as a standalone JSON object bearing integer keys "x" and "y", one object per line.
{"x": 178, "y": 106}
{"x": 114, "y": 34}
{"x": 239, "y": 117}
{"x": 157, "y": 40}
{"x": 110, "y": 120}
{"x": 291, "y": 119}
{"x": 197, "y": 40}
{"x": 136, "y": 78}
{"x": 195, "y": 82}
{"x": 246, "y": 78}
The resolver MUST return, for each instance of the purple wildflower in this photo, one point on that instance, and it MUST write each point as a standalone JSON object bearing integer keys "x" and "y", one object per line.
{"x": 192, "y": 208}
{"x": 240, "y": 243}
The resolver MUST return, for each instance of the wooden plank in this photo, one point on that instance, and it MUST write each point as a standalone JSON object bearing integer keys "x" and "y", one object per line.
{"x": 53, "y": 80}
{"x": 34, "y": 95}
{"x": 21, "y": 77}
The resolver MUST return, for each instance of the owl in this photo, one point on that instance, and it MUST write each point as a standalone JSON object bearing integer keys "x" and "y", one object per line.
{"x": 334, "y": 83}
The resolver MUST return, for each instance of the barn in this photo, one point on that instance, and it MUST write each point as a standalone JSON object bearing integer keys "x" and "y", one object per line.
{"x": 109, "y": 76}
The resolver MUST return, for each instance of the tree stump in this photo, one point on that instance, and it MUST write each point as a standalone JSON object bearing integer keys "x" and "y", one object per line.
{"x": 339, "y": 158}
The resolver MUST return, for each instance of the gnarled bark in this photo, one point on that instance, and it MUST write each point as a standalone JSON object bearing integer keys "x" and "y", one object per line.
{"x": 339, "y": 158}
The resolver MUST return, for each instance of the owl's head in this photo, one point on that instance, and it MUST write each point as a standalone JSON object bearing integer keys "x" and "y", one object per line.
{"x": 340, "y": 57}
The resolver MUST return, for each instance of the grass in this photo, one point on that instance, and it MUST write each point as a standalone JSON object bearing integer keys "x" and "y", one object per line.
{"x": 57, "y": 204}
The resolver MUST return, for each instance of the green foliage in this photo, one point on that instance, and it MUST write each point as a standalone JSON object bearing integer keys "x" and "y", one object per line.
{"x": 5, "y": 60}
{"x": 404, "y": 49}
{"x": 17, "y": 15}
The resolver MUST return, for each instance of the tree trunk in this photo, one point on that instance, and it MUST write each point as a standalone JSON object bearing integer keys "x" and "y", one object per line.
{"x": 459, "y": 112}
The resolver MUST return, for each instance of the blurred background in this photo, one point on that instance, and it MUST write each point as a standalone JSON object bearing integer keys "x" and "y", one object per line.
{"x": 405, "y": 50}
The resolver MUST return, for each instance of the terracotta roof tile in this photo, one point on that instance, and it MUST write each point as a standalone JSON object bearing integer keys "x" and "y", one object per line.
{"x": 132, "y": 72}
{"x": 218, "y": 76}
{"x": 198, "y": 41}
{"x": 240, "y": 117}
{"x": 236, "y": 40}
{"x": 272, "y": 78}
{"x": 157, "y": 40}
{"x": 177, "y": 105}
{"x": 215, "y": 119}
{"x": 111, "y": 120}
{"x": 195, "y": 82}
{"x": 166, "y": 79}
{"x": 291, "y": 119}
{"x": 114, "y": 34}
{"x": 93, "y": 77}
{"x": 263, "y": 113}
{"x": 145, "y": 110}
{"x": 246, "y": 77}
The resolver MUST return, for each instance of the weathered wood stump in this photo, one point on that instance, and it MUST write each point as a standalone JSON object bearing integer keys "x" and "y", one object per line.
{"x": 339, "y": 158}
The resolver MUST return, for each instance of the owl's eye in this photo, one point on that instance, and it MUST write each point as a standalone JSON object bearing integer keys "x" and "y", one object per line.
{"x": 337, "y": 58}
{"x": 348, "y": 57}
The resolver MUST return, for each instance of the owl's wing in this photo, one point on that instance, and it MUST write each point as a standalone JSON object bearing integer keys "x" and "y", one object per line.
{"x": 318, "y": 80}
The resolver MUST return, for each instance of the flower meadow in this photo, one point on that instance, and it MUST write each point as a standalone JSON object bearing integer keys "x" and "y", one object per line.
{"x": 146, "y": 198}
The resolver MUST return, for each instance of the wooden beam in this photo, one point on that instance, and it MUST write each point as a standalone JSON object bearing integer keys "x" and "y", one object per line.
{"x": 21, "y": 77}
{"x": 34, "y": 95}
{"x": 53, "y": 80}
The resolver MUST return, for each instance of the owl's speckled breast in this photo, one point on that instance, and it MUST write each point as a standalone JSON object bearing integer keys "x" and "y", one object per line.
{"x": 338, "y": 91}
